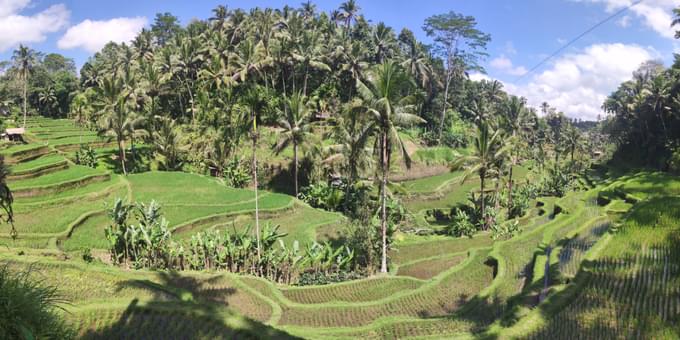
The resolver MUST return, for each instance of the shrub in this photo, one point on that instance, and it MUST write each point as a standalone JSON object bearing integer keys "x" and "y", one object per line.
{"x": 556, "y": 182}
{"x": 505, "y": 230}
{"x": 29, "y": 308}
{"x": 86, "y": 254}
{"x": 317, "y": 278}
{"x": 237, "y": 173}
{"x": 521, "y": 198}
{"x": 461, "y": 225}
{"x": 324, "y": 196}
{"x": 86, "y": 156}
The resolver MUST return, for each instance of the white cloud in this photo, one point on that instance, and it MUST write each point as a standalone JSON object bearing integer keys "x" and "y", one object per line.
{"x": 479, "y": 76}
{"x": 624, "y": 21}
{"x": 16, "y": 28}
{"x": 92, "y": 35}
{"x": 578, "y": 83}
{"x": 655, "y": 14}
{"x": 504, "y": 64}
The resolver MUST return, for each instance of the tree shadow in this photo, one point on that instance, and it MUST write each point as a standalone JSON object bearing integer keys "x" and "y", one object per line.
{"x": 180, "y": 307}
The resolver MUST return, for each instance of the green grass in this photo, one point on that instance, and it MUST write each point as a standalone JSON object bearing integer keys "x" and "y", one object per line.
{"x": 300, "y": 223}
{"x": 183, "y": 188}
{"x": 19, "y": 148}
{"x": 358, "y": 291}
{"x": 79, "y": 192}
{"x": 438, "y": 155}
{"x": 71, "y": 174}
{"x": 432, "y": 183}
{"x": 56, "y": 218}
{"x": 38, "y": 163}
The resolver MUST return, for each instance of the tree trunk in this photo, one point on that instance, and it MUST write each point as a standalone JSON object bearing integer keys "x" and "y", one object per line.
{"x": 191, "y": 100}
{"x": 446, "y": 102}
{"x": 295, "y": 167}
{"x": 510, "y": 189}
{"x": 121, "y": 150}
{"x": 257, "y": 211}
{"x": 304, "y": 84}
{"x": 482, "y": 176}
{"x": 25, "y": 100}
{"x": 383, "y": 203}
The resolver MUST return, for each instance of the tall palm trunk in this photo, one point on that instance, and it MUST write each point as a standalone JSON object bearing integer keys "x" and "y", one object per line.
{"x": 510, "y": 188}
{"x": 446, "y": 100}
{"x": 295, "y": 167}
{"x": 121, "y": 151}
{"x": 383, "y": 203}
{"x": 257, "y": 211}
{"x": 304, "y": 83}
{"x": 482, "y": 177}
{"x": 25, "y": 100}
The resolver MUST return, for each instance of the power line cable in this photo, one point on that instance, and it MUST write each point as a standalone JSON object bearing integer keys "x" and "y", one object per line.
{"x": 572, "y": 41}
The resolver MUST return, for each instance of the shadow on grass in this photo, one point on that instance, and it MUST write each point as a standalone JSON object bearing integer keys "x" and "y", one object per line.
{"x": 179, "y": 309}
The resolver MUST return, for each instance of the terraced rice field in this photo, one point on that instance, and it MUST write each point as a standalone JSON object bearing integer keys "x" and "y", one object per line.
{"x": 439, "y": 286}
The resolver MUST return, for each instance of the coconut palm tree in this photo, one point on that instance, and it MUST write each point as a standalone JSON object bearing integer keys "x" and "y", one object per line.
{"x": 116, "y": 120}
{"x": 48, "y": 99}
{"x": 349, "y": 10}
{"x": 24, "y": 60}
{"x": 166, "y": 141}
{"x": 572, "y": 141}
{"x": 297, "y": 128}
{"x": 513, "y": 117}
{"x": 389, "y": 108}
{"x": 309, "y": 53}
{"x": 488, "y": 150}
{"x": 352, "y": 134}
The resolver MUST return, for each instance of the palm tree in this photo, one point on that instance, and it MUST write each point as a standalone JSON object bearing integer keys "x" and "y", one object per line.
{"x": 384, "y": 41}
{"x": 79, "y": 103}
{"x": 349, "y": 10}
{"x": 658, "y": 93}
{"x": 514, "y": 120}
{"x": 24, "y": 60}
{"x": 384, "y": 103}
{"x": 572, "y": 140}
{"x": 296, "y": 125}
{"x": 166, "y": 141}
{"x": 309, "y": 53}
{"x": 116, "y": 120}
{"x": 488, "y": 150}
{"x": 48, "y": 99}
{"x": 251, "y": 58}
{"x": 252, "y": 99}
{"x": 352, "y": 134}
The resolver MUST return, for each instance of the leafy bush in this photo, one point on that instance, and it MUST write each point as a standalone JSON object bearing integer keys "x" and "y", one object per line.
{"x": 461, "y": 225}
{"x": 86, "y": 156}
{"x": 521, "y": 198}
{"x": 556, "y": 182}
{"x": 237, "y": 173}
{"x": 317, "y": 278}
{"x": 29, "y": 308}
{"x": 505, "y": 230}
{"x": 324, "y": 196}
{"x": 86, "y": 255}
{"x": 148, "y": 244}
{"x": 142, "y": 245}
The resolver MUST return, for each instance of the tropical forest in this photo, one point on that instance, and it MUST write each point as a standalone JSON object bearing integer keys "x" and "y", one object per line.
{"x": 339, "y": 170}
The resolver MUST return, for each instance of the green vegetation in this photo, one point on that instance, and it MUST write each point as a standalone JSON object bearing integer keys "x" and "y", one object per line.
{"x": 293, "y": 173}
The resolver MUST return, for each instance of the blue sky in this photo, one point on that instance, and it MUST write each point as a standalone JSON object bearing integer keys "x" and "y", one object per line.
{"x": 523, "y": 32}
